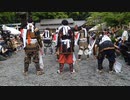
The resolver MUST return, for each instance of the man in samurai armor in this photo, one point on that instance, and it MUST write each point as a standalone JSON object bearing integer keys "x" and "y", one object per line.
{"x": 47, "y": 40}
{"x": 32, "y": 47}
{"x": 104, "y": 48}
{"x": 65, "y": 46}
{"x": 83, "y": 42}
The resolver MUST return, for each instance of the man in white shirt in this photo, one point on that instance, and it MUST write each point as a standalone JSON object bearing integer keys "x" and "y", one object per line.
{"x": 123, "y": 47}
{"x": 124, "y": 35}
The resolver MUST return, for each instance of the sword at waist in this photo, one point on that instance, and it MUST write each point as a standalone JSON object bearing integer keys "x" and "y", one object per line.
{"x": 47, "y": 38}
{"x": 67, "y": 42}
{"x": 83, "y": 39}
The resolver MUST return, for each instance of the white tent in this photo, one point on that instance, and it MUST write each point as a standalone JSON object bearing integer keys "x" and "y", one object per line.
{"x": 96, "y": 28}
{"x": 13, "y": 30}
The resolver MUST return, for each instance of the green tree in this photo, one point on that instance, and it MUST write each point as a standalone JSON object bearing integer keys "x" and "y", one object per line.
{"x": 7, "y": 17}
{"x": 78, "y": 15}
{"x": 37, "y": 16}
{"x": 112, "y": 18}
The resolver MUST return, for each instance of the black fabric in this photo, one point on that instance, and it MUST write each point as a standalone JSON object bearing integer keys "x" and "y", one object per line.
{"x": 105, "y": 44}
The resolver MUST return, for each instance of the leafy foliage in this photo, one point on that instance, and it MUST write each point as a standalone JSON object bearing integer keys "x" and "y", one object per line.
{"x": 7, "y": 17}
{"x": 112, "y": 18}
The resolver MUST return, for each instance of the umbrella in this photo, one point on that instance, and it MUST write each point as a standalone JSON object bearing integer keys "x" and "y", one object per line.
{"x": 12, "y": 30}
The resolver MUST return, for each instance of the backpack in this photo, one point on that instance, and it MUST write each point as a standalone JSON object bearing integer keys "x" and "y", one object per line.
{"x": 65, "y": 35}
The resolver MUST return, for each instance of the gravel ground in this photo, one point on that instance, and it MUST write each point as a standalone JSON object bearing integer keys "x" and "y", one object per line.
{"x": 86, "y": 74}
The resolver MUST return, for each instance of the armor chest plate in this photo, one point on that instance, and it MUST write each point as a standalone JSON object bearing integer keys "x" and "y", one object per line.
{"x": 82, "y": 35}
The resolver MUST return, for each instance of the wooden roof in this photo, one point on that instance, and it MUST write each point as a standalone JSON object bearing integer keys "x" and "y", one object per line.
{"x": 55, "y": 23}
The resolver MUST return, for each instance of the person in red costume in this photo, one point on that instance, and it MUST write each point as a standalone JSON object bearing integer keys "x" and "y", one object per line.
{"x": 65, "y": 46}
